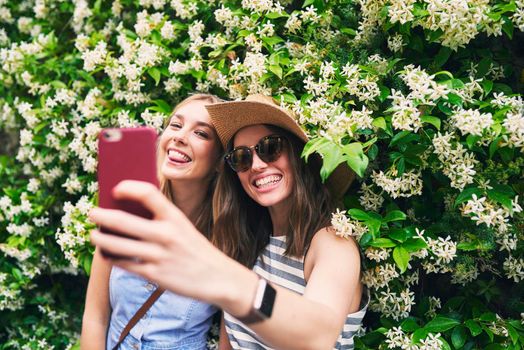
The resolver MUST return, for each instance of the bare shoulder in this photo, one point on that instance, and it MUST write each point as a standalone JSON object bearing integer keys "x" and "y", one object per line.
{"x": 326, "y": 244}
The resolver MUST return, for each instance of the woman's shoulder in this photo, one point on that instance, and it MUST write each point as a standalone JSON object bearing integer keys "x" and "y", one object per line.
{"x": 327, "y": 243}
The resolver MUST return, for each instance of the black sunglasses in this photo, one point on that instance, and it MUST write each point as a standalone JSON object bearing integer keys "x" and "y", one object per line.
{"x": 268, "y": 148}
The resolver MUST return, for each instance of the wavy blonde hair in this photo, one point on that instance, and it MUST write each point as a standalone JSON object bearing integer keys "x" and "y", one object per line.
{"x": 204, "y": 218}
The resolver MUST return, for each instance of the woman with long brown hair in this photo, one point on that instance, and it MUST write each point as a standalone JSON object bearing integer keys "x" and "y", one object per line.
{"x": 283, "y": 278}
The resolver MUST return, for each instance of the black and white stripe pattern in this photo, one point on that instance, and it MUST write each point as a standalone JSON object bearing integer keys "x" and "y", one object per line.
{"x": 287, "y": 272}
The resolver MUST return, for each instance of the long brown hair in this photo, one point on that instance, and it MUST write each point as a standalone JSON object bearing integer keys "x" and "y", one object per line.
{"x": 204, "y": 218}
{"x": 242, "y": 227}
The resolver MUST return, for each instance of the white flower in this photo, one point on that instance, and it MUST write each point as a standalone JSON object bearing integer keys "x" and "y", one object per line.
{"x": 458, "y": 165}
{"x": 445, "y": 249}
{"x": 168, "y": 31}
{"x": 514, "y": 125}
{"x": 407, "y": 185}
{"x": 142, "y": 26}
{"x": 370, "y": 200}
{"x": 293, "y": 23}
{"x": 471, "y": 121}
{"x": 400, "y": 11}
{"x": 514, "y": 268}
{"x": 377, "y": 254}
{"x": 95, "y": 57}
{"x": 178, "y": 67}
{"x": 431, "y": 342}
{"x": 345, "y": 227}
{"x": 396, "y": 43}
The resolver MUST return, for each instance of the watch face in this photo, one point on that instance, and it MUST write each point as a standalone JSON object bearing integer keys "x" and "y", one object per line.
{"x": 268, "y": 300}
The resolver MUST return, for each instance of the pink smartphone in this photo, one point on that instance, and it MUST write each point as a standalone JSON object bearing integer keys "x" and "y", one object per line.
{"x": 125, "y": 154}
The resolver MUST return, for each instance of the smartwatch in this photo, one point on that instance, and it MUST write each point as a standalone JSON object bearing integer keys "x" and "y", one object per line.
{"x": 262, "y": 306}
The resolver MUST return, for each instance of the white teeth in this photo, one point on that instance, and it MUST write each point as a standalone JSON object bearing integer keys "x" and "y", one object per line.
{"x": 268, "y": 180}
{"x": 178, "y": 155}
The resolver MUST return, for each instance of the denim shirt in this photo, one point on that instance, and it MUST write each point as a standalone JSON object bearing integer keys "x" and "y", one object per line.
{"x": 173, "y": 322}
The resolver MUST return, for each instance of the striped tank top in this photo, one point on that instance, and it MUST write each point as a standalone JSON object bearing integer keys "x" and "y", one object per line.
{"x": 287, "y": 272}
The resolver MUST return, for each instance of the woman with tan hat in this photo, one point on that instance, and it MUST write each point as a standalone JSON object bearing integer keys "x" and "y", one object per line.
{"x": 296, "y": 284}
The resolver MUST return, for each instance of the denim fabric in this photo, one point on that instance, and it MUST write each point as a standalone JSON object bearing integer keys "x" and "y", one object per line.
{"x": 173, "y": 322}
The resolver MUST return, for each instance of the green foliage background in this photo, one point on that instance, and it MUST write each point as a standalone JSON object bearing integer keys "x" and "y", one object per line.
{"x": 420, "y": 98}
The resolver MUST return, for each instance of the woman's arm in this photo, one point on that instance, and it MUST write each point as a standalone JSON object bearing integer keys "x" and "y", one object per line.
{"x": 97, "y": 308}
{"x": 165, "y": 253}
{"x": 223, "y": 341}
{"x": 315, "y": 320}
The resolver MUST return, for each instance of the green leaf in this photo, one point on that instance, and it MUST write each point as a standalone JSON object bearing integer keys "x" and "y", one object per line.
{"x": 87, "y": 265}
{"x": 155, "y": 73}
{"x": 444, "y": 108}
{"x": 513, "y": 334}
{"x": 488, "y": 331}
{"x": 373, "y": 226}
{"x": 401, "y": 257}
{"x": 383, "y": 243}
{"x": 467, "y": 194}
{"x": 435, "y": 121}
{"x": 17, "y": 274}
{"x": 348, "y": 31}
{"x": 414, "y": 245}
{"x": 468, "y": 246}
{"x": 276, "y": 69}
{"x": 399, "y": 137}
{"x": 394, "y": 215}
{"x": 441, "y": 324}
{"x": 379, "y": 122}
{"x": 483, "y": 67}
{"x": 274, "y": 15}
{"x": 272, "y": 40}
{"x": 442, "y": 56}
{"x": 455, "y": 99}
{"x": 488, "y": 316}
{"x": 409, "y": 325}
{"x": 494, "y": 146}
{"x": 458, "y": 337}
{"x": 419, "y": 334}
{"x": 355, "y": 158}
{"x": 398, "y": 234}
{"x": 373, "y": 152}
{"x": 358, "y": 214}
{"x": 163, "y": 106}
{"x": 384, "y": 93}
{"x": 508, "y": 27}
{"x": 365, "y": 239}
{"x": 487, "y": 86}
{"x": 471, "y": 140}
{"x": 316, "y": 145}
{"x": 501, "y": 198}
{"x": 57, "y": 84}
{"x": 444, "y": 344}
{"x": 330, "y": 160}
{"x": 308, "y": 3}
{"x": 474, "y": 327}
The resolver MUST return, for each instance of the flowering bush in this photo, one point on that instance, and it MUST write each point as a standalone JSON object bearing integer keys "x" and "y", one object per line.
{"x": 419, "y": 97}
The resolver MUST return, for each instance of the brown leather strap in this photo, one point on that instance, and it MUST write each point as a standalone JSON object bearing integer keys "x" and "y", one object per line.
{"x": 138, "y": 315}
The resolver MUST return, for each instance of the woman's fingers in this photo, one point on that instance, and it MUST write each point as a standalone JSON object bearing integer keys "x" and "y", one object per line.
{"x": 128, "y": 224}
{"x": 149, "y": 196}
{"x": 126, "y": 247}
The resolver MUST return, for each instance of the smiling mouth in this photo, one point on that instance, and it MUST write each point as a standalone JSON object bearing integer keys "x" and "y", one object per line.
{"x": 267, "y": 181}
{"x": 178, "y": 157}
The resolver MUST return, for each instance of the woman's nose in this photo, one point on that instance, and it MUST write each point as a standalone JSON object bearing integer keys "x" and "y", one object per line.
{"x": 258, "y": 164}
{"x": 180, "y": 136}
